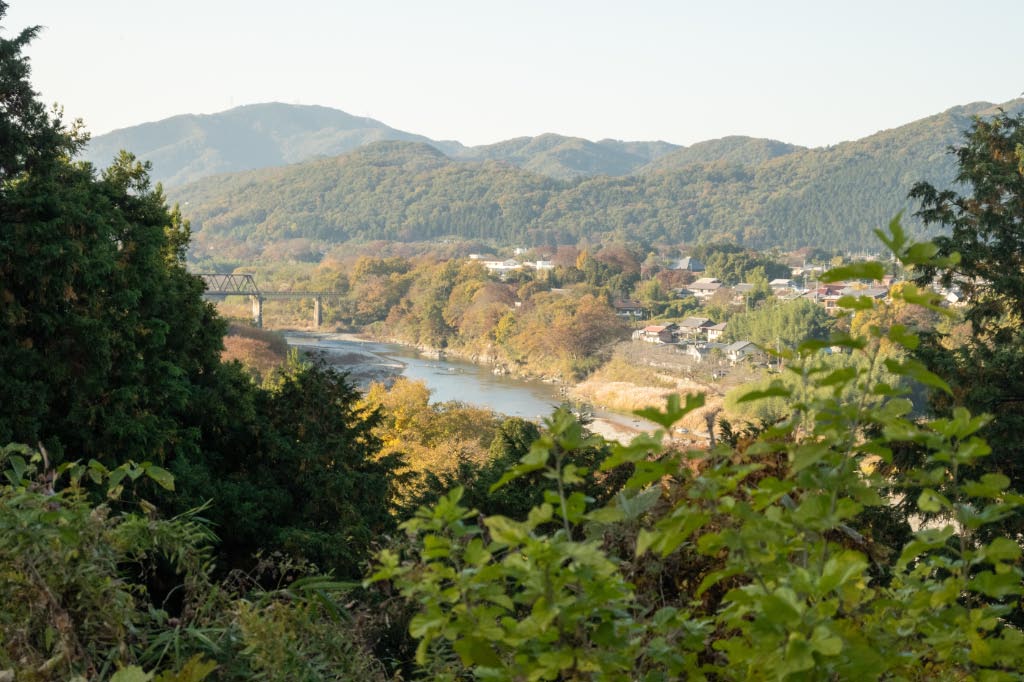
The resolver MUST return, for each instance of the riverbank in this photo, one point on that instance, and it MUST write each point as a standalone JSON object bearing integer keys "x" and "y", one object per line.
{"x": 456, "y": 378}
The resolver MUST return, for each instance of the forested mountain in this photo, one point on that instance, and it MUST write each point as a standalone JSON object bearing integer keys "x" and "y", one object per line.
{"x": 186, "y": 148}
{"x": 754, "y": 192}
{"x": 733, "y": 149}
{"x": 563, "y": 157}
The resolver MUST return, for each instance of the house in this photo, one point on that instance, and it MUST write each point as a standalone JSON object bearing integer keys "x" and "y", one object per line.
{"x": 544, "y": 265}
{"x": 715, "y": 331}
{"x": 705, "y": 287}
{"x": 741, "y": 292}
{"x": 743, "y": 350}
{"x": 877, "y": 293}
{"x": 502, "y": 267}
{"x": 827, "y": 296}
{"x": 694, "y": 327}
{"x": 688, "y": 264}
{"x": 657, "y": 333}
{"x": 781, "y": 284}
{"x": 702, "y": 352}
{"x": 629, "y": 308}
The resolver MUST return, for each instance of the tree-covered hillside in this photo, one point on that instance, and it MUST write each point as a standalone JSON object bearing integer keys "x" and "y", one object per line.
{"x": 565, "y": 158}
{"x": 750, "y": 151}
{"x": 758, "y": 193}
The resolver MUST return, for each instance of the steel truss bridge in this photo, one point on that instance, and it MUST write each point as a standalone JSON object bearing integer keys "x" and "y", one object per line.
{"x": 221, "y": 285}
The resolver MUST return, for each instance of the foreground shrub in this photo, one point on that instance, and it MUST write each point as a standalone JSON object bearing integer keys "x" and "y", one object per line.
{"x": 787, "y": 525}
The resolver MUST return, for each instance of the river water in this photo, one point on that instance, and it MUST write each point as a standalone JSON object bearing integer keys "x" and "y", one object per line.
{"x": 447, "y": 379}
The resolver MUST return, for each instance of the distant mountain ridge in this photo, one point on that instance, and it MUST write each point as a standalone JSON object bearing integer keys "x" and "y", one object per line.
{"x": 188, "y": 147}
{"x": 191, "y": 146}
{"x": 760, "y": 193}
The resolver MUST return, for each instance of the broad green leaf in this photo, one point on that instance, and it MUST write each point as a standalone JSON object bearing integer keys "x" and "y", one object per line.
{"x": 826, "y": 642}
{"x": 997, "y": 585}
{"x": 855, "y": 302}
{"x": 896, "y": 238}
{"x": 990, "y": 486}
{"x": 505, "y": 531}
{"x": 915, "y": 370}
{"x": 673, "y": 412}
{"x": 899, "y": 335}
{"x": 775, "y": 390}
{"x": 132, "y": 673}
{"x": 846, "y": 566}
{"x": 196, "y": 669}
{"x": 640, "y": 447}
{"x": 807, "y": 454}
{"x": 476, "y": 651}
{"x": 160, "y": 476}
{"x": 931, "y": 501}
{"x": 871, "y": 270}
{"x": 1002, "y": 549}
{"x": 715, "y": 577}
{"x": 605, "y": 515}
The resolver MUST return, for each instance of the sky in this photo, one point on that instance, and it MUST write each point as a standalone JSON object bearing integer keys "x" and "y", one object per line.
{"x": 481, "y": 71}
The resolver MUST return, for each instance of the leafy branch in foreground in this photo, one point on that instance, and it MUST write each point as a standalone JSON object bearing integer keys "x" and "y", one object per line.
{"x": 798, "y": 586}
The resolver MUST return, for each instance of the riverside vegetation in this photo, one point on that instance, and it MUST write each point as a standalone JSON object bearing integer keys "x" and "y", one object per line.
{"x": 172, "y": 520}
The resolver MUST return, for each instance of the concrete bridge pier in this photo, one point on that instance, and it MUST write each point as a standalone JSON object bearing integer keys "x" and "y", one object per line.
{"x": 318, "y": 311}
{"x": 257, "y": 311}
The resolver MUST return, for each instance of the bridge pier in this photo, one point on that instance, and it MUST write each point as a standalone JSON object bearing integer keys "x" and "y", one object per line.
{"x": 257, "y": 311}
{"x": 318, "y": 312}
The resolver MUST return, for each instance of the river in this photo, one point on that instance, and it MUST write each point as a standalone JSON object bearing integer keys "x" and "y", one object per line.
{"x": 451, "y": 379}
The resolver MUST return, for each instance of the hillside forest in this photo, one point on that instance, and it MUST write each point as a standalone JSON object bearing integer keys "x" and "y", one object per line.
{"x": 167, "y": 514}
{"x": 751, "y": 192}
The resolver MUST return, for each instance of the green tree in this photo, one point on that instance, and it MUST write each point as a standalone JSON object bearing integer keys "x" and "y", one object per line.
{"x": 104, "y": 337}
{"x": 986, "y": 243}
{"x": 108, "y": 352}
{"x": 295, "y": 469}
{"x": 781, "y": 323}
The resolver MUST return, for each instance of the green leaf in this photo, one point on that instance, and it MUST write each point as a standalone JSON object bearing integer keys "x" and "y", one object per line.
{"x": 920, "y": 253}
{"x": 896, "y": 238}
{"x": 17, "y": 472}
{"x": 673, "y": 412}
{"x": 997, "y": 585}
{"x": 605, "y": 515}
{"x": 856, "y": 302}
{"x": 1002, "y": 549}
{"x": 775, "y": 390}
{"x": 808, "y": 454}
{"x": 839, "y": 377}
{"x": 825, "y": 642}
{"x": 782, "y": 606}
{"x": 476, "y": 651}
{"x": 931, "y": 501}
{"x": 132, "y": 673}
{"x": 161, "y": 476}
{"x": 715, "y": 577}
{"x": 535, "y": 459}
{"x": 871, "y": 270}
{"x": 846, "y": 566}
{"x": 634, "y": 506}
{"x": 505, "y": 531}
{"x": 990, "y": 486}
{"x": 915, "y": 370}
{"x": 638, "y": 448}
{"x": 196, "y": 669}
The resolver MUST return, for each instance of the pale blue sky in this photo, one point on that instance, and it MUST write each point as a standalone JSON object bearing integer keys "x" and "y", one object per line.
{"x": 811, "y": 73}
